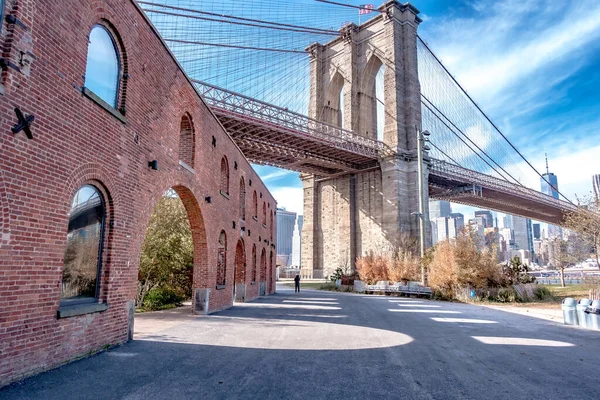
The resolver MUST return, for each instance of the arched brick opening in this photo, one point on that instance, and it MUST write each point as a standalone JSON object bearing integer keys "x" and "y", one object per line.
{"x": 242, "y": 199}
{"x": 187, "y": 141}
{"x": 263, "y": 266}
{"x": 270, "y": 273}
{"x": 199, "y": 239}
{"x": 254, "y": 269}
{"x": 198, "y": 229}
{"x": 224, "y": 176}
{"x": 240, "y": 262}
{"x": 255, "y": 205}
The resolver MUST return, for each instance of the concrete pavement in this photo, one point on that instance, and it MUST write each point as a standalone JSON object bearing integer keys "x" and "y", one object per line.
{"x": 322, "y": 345}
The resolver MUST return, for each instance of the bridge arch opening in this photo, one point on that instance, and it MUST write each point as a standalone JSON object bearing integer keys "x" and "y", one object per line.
{"x": 173, "y": 256}
{"x": 373, "y": 99}
{"x": 333, "y": 111}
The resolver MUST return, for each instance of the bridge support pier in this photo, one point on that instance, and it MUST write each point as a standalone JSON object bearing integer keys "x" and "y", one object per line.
{"x": 347, "y": 216}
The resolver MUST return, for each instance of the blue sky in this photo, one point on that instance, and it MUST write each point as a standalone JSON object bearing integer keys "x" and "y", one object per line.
{"x": 532, "y": 65}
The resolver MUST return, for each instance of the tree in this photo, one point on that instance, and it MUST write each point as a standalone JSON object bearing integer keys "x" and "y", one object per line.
{"x": 167, "y": 257}
{"x": 586, "y": 222}
{"x": 515, "y": 271}
{"x": 566, "y": 253}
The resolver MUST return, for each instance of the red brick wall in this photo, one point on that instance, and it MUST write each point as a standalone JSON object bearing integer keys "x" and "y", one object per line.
{"x": 75, "y": 142}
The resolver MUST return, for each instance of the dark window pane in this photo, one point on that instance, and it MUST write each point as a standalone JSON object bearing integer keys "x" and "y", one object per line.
{"x": 102, "y": 70}
{"x": 80, "y": 273}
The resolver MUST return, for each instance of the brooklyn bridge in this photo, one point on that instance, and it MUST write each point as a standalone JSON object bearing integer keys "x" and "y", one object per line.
{"x": 370, "y": 90}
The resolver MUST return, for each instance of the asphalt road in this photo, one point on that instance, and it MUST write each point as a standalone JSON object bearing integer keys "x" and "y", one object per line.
{"x": 320, "y": 345}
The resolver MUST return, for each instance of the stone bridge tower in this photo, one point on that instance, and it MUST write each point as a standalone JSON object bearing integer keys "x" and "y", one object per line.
{"x": 348, "y": 215}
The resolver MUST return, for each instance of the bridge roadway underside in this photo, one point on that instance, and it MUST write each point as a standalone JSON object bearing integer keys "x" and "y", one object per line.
{"x": 265, "y": 143}
{"x": 441, "y": 188}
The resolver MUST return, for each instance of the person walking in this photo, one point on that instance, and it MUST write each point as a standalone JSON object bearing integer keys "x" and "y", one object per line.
{"x": 297, "y": 284}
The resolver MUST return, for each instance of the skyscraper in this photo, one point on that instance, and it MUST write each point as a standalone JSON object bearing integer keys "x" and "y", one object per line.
{"x": 487, "y": 216}
{"x": 537, "y": 233}
{"x": 439, "y": 208}
{"x": 522, "y": 233}
{"x": 549, "y": 183}
{"x": 286, "y": 221}
{"x": 596, "y": 185}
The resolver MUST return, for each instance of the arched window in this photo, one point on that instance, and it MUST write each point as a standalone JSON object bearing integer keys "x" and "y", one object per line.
{"x": 242, "y": 199}
{"x": 222, "y": 259}
{"x": 102, "y": 73}
{"x": 271, "y": 224}
{"x": 83, "y": 255}
{"x": 253, "y": 263}
{"x": 187, "y": 141}
{"x": 263, "y": 266}
{"x": 264, "y": 216}
{"x": 255, "y": 205}
{"x": 224, "y": 176}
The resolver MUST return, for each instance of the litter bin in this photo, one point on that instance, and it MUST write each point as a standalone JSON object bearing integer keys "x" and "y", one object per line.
{"x": 593, "y": 315}
{"x": 581, "y": 315}
{"x": 569, "y": 309}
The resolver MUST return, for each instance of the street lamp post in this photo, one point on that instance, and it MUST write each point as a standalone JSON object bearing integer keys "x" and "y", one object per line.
{"x": 421, "y": 146}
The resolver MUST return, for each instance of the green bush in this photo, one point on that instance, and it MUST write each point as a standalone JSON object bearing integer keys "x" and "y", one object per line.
{"x": 542, "y": 293}
{"x": 161, "y": 299}
{"x": 328, "y": 286}
{"x": 507, "y": 295}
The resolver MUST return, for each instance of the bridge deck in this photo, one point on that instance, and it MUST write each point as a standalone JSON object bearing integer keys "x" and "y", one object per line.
{"x": 275, "y": 136}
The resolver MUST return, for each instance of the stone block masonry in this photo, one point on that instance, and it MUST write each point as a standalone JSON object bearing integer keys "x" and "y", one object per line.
{"x": 350, "y": 215}
{"x": 77, "y": 140}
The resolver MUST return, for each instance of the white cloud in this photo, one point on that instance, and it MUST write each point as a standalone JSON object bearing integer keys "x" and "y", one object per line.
{"x": 275, "y": 174}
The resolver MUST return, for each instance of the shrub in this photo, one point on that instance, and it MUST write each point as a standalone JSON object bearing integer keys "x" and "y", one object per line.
{"x": 507, "y": 295}
{"x": 372, "y": 267}
{"x": 516, "y": 272}
{"x": 161, "y": 298}
{"x": 460, "y": 263}
{"x": 328, "y": 286}
{"x": 542, "y": 293}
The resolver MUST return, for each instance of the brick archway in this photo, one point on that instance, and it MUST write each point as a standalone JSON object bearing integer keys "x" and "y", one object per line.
{"x": 239, "y": 284}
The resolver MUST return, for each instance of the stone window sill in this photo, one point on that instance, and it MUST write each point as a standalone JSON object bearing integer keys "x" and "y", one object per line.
{"x": 185, "y": 166}
{"x": 94, "y": 97}
{"x": 68, "y": 310}
{"x": 221, "y": 287}
{"x": 224, "y": 194}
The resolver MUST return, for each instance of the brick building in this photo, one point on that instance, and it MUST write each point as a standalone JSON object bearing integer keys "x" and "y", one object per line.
{"x": 115, "y": 126}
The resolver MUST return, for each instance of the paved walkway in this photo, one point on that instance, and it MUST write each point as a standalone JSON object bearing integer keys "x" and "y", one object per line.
{"x": 320, "y": 345}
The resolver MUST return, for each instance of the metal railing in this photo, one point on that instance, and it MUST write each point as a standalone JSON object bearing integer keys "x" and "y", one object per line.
{"x": 452, "y": 171}
{"x": 236, "y": 104}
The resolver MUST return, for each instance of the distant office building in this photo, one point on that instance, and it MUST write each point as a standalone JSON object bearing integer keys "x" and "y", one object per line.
{"x": 296, "y": 243}
{"x": 507, "y": 221}
{"x": 456, "y": 223}
{"x": 442, "y": 228}
{"x": 537, "y": 232}
{"x": 596, "y": 186}
{"x": 286, "y": 220}
{"x": 439, "y": 208}
{"x": 434, "y": 234}
{"x": 549, "y": 184}
{"x": 487, "y": 216}
{"x": 522, "y": 233}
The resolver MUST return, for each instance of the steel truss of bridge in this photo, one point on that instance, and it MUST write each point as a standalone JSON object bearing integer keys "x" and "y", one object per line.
{"x": 275, "y": 136}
